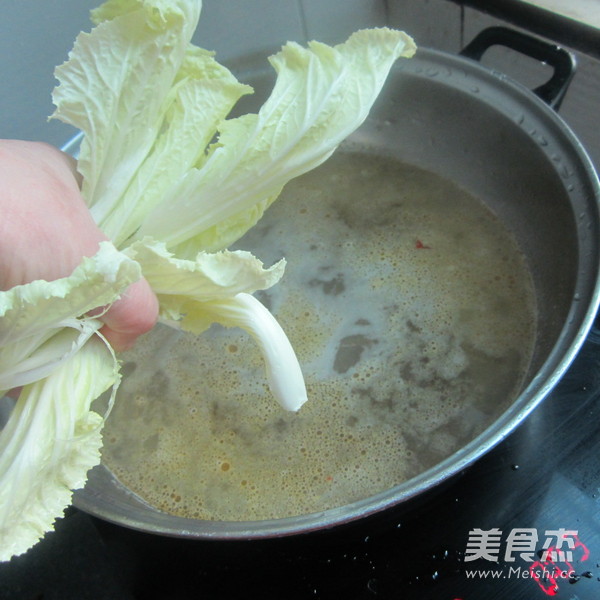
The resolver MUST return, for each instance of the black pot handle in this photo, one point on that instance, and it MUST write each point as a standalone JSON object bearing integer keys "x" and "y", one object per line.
{"x": 563, "y": 62}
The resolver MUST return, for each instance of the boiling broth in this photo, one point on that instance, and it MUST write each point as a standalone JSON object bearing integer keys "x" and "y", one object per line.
{"x": 412, "y": 313}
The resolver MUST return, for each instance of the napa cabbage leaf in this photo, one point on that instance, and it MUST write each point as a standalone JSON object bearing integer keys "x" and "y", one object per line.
{"x": 172, "y": 181}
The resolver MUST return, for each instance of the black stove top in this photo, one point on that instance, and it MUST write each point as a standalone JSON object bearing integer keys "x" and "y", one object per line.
{"x": 522, "y": 523}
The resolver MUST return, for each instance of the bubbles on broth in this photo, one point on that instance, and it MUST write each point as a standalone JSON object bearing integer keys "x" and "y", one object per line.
{"x": 412, "y": 313}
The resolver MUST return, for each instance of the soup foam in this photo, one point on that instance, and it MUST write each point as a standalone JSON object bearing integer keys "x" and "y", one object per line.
{"x": 412, "y": 313}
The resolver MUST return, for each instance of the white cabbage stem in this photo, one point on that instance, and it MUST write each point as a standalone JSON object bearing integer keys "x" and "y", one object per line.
{"x": 283, "y": 369}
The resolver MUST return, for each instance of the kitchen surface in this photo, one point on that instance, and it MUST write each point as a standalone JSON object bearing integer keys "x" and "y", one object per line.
{"x": 523, "y": 522}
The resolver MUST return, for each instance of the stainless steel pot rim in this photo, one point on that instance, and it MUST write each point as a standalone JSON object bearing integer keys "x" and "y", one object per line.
{"x": 475, "y": 79}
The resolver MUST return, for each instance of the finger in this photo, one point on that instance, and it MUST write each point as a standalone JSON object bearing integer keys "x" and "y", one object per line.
{"x": 129, "y": 317}
{"x": 14, "y": 393}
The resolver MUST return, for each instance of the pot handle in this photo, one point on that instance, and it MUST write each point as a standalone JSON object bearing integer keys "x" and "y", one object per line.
{"x": 563, "y": 62}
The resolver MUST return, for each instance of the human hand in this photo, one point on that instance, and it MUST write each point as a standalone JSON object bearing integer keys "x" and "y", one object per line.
{"x": 46, "y": 229}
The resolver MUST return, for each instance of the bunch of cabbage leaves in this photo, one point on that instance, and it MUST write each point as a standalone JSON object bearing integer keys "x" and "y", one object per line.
{"x": 173, "y": 182}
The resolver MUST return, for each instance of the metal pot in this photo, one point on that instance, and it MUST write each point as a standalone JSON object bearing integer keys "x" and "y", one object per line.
{"x": 505, "y": 145}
